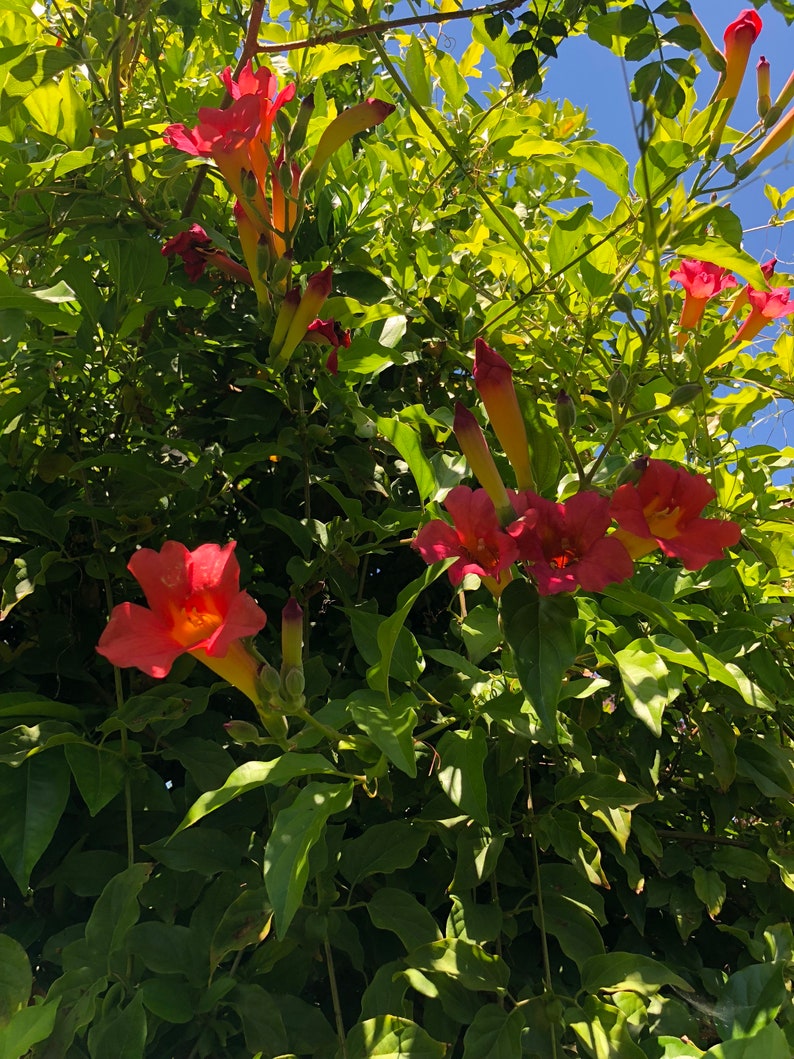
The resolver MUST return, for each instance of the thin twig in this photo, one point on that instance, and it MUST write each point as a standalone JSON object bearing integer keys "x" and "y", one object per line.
{"x": 384, "y": 26}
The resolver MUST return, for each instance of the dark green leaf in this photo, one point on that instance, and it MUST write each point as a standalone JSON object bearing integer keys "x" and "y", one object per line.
{"x": 38, "y": 791}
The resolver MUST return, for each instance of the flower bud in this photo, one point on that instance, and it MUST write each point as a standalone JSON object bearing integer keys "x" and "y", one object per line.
{"x": 297, "y": 134}
{"x": 285, "y": 317}
{"x": 294, "y": 684}
{"x": 292, "y": 635}
{"x": 269, "y": 680}
{"x": 242, "y": 731}
{"x": 763, "y": 79}
{"x": 617, "y": 385}
{"x": 685, "y": 394}
{"x": 633, "y": 471}
{"x": 475, "y": 448}
{"x": 566, "y": 412}
{"x": 493, "y": 378}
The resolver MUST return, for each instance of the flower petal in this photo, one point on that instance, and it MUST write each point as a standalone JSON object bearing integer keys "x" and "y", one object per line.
{"x": 136, "y": 637}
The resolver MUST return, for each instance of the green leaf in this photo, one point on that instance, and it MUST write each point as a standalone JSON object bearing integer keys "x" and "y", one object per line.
{"x": 718, "y": 740}
{"x": 245, "y": 922}
{"x": 29, "y": 1026}
{"x": 768, "y": 1043}
{"x": 98, "y": 772}
{"x": 407, "y": 662}
{"x": 617, "y": 972}
{"x": 603, "y": 1031}
{"x": 206, "y": 850}
{"x": 463, "y": 961}
{"x": 120, "y": 1034}
{"x": 750, "y": 1000}
{"x": 296, "y": 829}
{"x": 253, "y": 775}
{"x": 400, "y": 912}
{"x": 389, "y": 1037}
{"x": 389, "y": 725}
{"x": 116, "y": 910}
{"x": 378, "y": 675}
{"x": 16, "y": 978}
{"x": 25, "y": 704}
{"x": 417, "y": 73}
{"x": 28, "y": 571}
{"x": 169, "y": 999}
{"x": 539, "y": 630}
{"x": 740, "y": 864}
{"x": 614, "y": 793}
{"x": 408, "y": 442}
{"x": 480, "y": 631}
{"x": 460, "y": 771}
{"x": 42, "y": 303}
{"x": 648, "y": 607}
{"x": 38, "y": 791}
{"x": 383, "y": 848}
{"x": 710, "y": 888}
{"x": 650, "y": 683}
{"x": 604, "y": 162}
{"x": 494, "y": 1034}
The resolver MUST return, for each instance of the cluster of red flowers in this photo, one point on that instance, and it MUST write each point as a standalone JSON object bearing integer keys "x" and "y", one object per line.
{"x": 703, "y": 281}
{"x": 269, "y": 187}
{"x": 568, "y": 545}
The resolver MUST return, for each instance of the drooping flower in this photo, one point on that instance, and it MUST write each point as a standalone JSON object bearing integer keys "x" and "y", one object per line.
{"x": 189, "y": 246}
{"x": 263, "y": 85}
{"x": 701, "y": 281}
{"x": 475, "y": 448}
{"x": 329, "y": 333}
{"x": 195, "y": 606}
{"x": 740, "y": 35}
{"x": 662, "y": 510}
{"x": 476, "y": 537}
{"x": 766, "y": 305}
{"x": 566, "y": 544}
{"x": 493, "y": 378}
{"x": 197, "y": 252}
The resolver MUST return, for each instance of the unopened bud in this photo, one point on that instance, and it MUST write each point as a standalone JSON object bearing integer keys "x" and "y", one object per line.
{"x": 566, "y": 412}
{"x": 292, "y": 636}
{"x": 249, "y": 184}
{"x": 685, "y": 394}
{"x": 763, "y": 79}
{"x": 269, "y": 680}
{"x": 282, "y": 268}
{"x": 297, "y": 134}
{"x": 772, "y": 115}
{"x": 264, "y": 257}
{"x": 282, "y": 123}
{"x": 242, "y": 731}
{"x": 617, "y": 386}
{"x": 294, "y": 683}
{"x": 633, "y": 471}
{"x": 285, "y": 176}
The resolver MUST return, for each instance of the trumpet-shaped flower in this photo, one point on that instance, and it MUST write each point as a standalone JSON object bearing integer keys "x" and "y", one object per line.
{"x": 767, "y": 305}
{"x": 263, "y": 85}
{"x": 662, "y": 510}
{"x": 195, "y": 606}
{"x": 197, "y": 252}
{"x": 493, "y": 378}
{"x": 740, "y": 35}
{"x": 779, "y": 135}
{"x": 475, "y": 448}
{"x": 741, "y": 299}
{"x": 701, "y": 281}
{"x": 566, "y": 544}
{"x": 476, "y": 537}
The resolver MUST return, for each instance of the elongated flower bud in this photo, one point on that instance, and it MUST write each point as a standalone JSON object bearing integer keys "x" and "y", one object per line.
{"x": 763, "y": 80}
{"x": 685, "y": 394}
{"x": 343, "y": 127}
{"x": 779, "y": 135}
{"x": 285, "y": 317}
{"x": 292, "y": 635}
{"x": 297, "y": 134}
{"x": 711, "y": 52}
{"x": 317, "y": 290}
{"x": 785, "y": 95}
{"x": 617, "y": 385}
{"x": 740, "y": 36}
{"x": 475, "y": 448}
{"x": 493, "y": 378}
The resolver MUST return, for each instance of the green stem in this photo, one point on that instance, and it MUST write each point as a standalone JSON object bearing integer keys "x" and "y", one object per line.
{"x": 340, "y": 1025}
{"x": 544, "y": 946}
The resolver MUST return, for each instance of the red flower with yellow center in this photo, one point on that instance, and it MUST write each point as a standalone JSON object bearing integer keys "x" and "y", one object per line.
{"x": 663, "y": 511}
{"x": 701, "y": 281}
{"x": 476, "y": 537}
{"x": 195, "y": 606}
{"x": 566, "y": 544}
